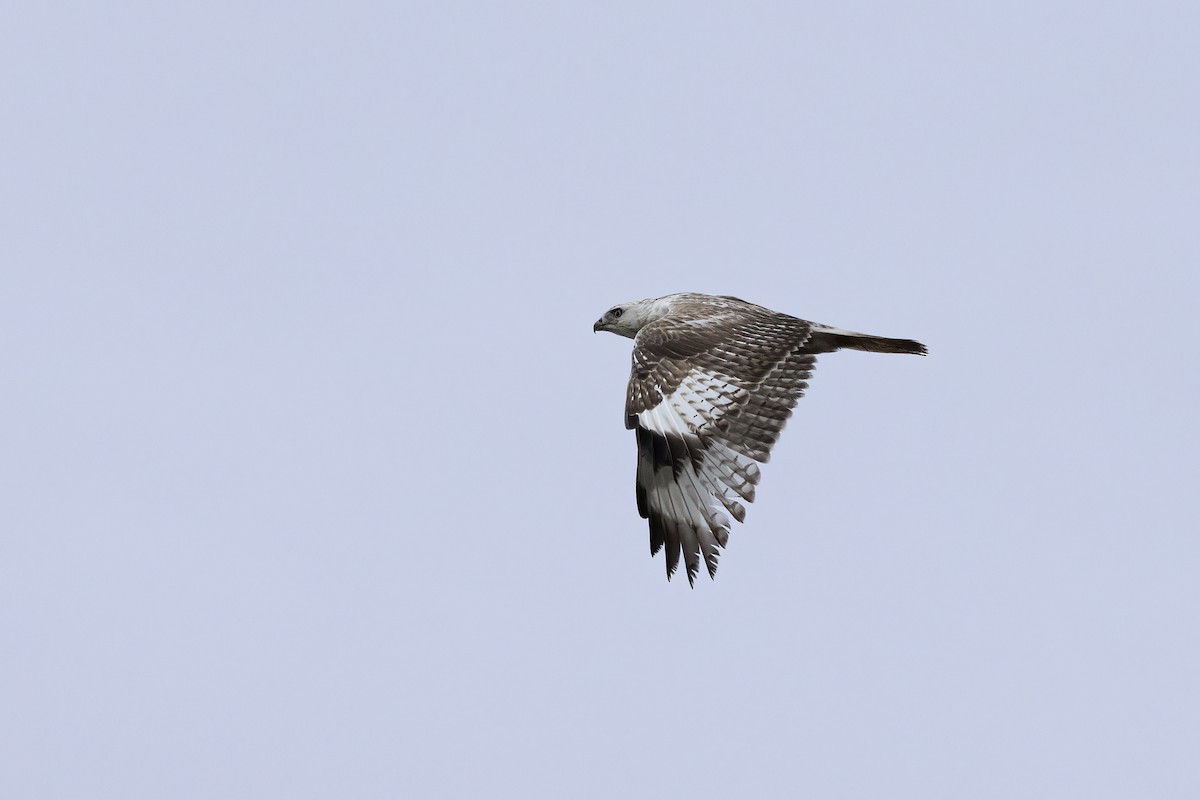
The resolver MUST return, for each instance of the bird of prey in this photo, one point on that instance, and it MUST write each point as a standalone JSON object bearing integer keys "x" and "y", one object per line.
{"x": 714, "y": 380}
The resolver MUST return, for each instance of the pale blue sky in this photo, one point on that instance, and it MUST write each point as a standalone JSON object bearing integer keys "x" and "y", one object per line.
{"x": 315, "y": 482}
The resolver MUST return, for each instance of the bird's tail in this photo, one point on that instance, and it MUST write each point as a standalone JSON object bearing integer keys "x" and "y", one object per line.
{"x": 825, "y": 340}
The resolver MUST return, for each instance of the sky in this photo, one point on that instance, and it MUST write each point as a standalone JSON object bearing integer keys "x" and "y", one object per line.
{"x": 315, "y": 478}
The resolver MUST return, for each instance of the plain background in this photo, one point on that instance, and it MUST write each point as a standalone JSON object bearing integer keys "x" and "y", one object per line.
{"x": 313, "y": 477}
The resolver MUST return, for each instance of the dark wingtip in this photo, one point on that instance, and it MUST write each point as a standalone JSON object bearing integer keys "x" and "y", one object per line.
{"x": 909, "y": 347}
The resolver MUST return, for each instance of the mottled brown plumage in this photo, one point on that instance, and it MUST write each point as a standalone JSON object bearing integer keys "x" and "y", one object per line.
{"x": 713, "y": 382}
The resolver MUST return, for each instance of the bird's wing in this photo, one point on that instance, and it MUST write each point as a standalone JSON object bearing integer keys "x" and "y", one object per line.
{"x": 710, "y": 390}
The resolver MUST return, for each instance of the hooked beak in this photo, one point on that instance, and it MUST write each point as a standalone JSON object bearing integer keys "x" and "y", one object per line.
{"x": 599, "y": 325}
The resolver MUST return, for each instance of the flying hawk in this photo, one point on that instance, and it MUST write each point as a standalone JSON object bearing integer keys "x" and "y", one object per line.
{"x": 714, "y": 380}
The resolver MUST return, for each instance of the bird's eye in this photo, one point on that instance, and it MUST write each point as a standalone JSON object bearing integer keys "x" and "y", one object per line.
{"x": 616, "y": 312}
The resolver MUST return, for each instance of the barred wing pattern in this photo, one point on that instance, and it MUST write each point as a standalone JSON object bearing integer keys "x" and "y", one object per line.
{"x": 712, "y": 385}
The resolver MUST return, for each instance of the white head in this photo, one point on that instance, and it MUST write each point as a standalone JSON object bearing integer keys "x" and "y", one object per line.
{"x": 627, "y": 319}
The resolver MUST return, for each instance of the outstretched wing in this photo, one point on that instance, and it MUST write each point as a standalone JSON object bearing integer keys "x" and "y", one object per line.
{"x": 712, "y": 385}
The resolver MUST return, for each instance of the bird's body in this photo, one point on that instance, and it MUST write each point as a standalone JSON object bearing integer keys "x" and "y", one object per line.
{"x": 714, "y": 380}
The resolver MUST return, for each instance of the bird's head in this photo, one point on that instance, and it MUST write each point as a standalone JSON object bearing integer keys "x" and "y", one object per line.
{"x": 627, "y": 319}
